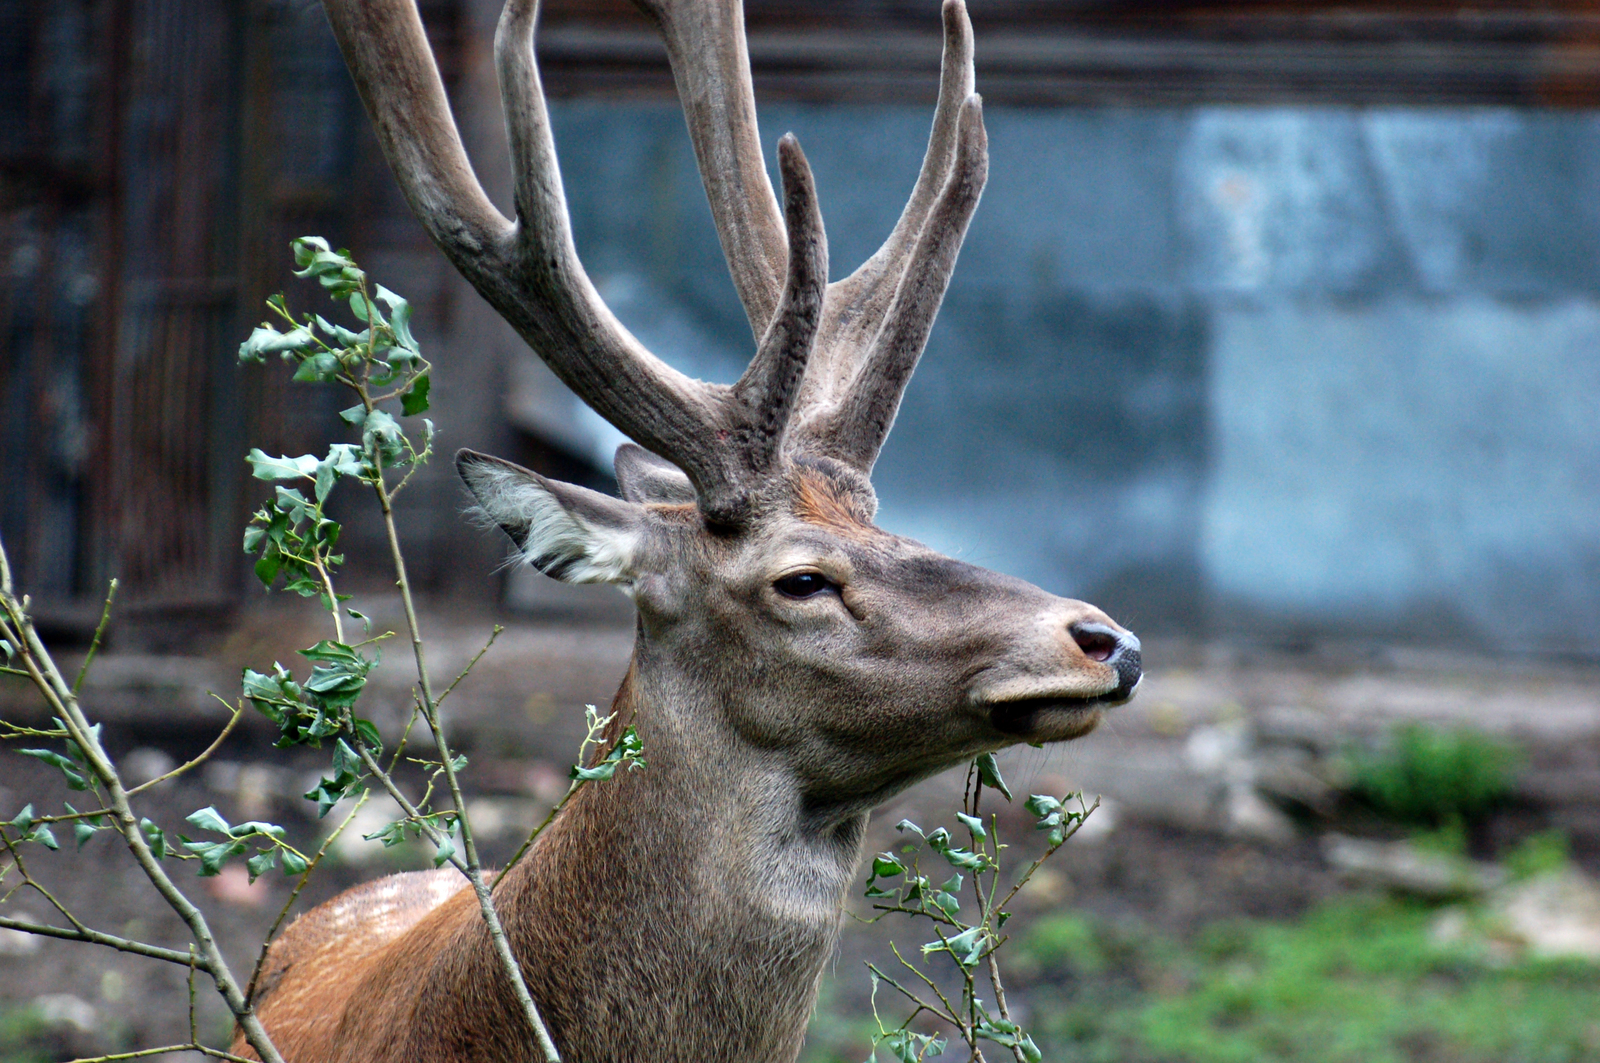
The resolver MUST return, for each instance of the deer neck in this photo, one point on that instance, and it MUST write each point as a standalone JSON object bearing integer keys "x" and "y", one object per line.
{"x": 699, "y": 887}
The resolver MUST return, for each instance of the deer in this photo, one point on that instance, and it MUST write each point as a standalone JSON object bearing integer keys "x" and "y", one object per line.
{"x": 795, "y": 666}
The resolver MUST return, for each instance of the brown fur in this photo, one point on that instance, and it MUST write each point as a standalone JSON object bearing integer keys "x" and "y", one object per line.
{"x": 821, "y": 501}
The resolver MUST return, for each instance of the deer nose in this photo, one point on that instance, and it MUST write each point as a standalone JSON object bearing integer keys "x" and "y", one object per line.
{"x": 1118, "y": 649}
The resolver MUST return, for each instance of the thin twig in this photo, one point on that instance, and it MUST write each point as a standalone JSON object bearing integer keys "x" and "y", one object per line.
{"x": 1048, "y": 853}
{"x": 473, "y": 869}
{"x": 34, "y": 884}
{"x": 921, "y": 1004}
{"x": 238, "y": 714}
{"x": 305, "y": 876}
{"x": 164, "y": 1050}
{"x": 99, "y": 633}
{"x": 96, "y": 937}
{"x": 47, "y": 678}
{"x": 470, "y": 665}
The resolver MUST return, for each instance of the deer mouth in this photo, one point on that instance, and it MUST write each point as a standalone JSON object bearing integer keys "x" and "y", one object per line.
{"x": 1054, "y": 718}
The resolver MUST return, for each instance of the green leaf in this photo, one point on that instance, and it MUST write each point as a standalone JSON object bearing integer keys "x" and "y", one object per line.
{"x": 293, "y": 863}
{"x": 368, "y": 732}
{"x": 345, "y": 458}
{"x": 82, "y": 832}
{"x": 973, "y": 824}
{"x": 1041, "y": 805}
{"x": 50, "y": 756}
{"x": 267, "y": 340}
{"x": 989, "y": 772}
{"x": 318, "y": 368}
{"x": 346, "y": 764}
{"x": 366, "y": 621}
{"x": 628, "y": 750}
{"x": 604, "y": 770}
{"x": 355, "y": 415}
{"x": 381, "y": 435}
{"x": 390, "y": 835}
{"x": 155, "y": 838}
{"x": 254, "y": 536}
{"x": 209, "y": 818}
{"x": 253, "y": 827}
{"x": 305, "y": 249}
{"x": 214, "y": 854}
{"x": 44, "y": 837}
{"x": 304, "y": 586}
{"x": 267, "y": 567}
{"x": 24, "y": 819}
{"x": 445, "y": 851}
{"x": 265, "y": 467}
{"x": 343, "y": 336}
{"x": 326, "y": 794}
{"x": 886, "y": 866}
{"x": 414, "y": 400}
{"x": 328, "y": 650}
{"x": 325, "y": 478}
{"x": 967, "y": 946}
{"x": 261, "y": 863}
{"x": 399, "y": 318}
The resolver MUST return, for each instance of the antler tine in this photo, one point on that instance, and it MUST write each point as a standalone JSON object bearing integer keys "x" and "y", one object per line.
{"x": 388, "y": 55}
{"x": 857, "y": 304}
{"x": 723, "y": 438}
{"x": 711, "y": 65}
{"x": 765, "y": 395}
{"x": 549, "y": 298}
{"x": 853, "y": 431}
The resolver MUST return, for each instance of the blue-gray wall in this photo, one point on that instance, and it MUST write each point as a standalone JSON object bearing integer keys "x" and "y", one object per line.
{"x": 1291, "y": 372}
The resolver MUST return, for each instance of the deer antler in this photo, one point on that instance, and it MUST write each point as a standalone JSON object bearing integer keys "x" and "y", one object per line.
{"x": 867, "y": 331}
{"x": 866, "y": 312}
{"x": 722, "y": 437}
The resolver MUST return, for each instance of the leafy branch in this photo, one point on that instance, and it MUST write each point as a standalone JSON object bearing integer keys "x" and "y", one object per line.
{"x": 898, "y": 884}
{"x": 295, "y": 543}
{"x": 86, "y": 766}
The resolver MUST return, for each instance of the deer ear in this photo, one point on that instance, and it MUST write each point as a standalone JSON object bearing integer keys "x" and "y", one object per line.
{"x": 567, "y": 532}
{"x": 644, "y": 478}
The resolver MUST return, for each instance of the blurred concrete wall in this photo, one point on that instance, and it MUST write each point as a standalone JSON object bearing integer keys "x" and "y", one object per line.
{"x": 1288, "y": 372}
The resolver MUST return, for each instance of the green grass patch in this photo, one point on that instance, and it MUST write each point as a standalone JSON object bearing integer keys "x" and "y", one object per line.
{"x": 1357, "y": 980}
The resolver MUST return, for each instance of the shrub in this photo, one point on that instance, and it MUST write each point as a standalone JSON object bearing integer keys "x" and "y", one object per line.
{"x": 1428, "y": 777}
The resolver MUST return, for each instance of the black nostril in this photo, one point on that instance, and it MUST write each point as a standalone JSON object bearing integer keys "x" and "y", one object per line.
{"x": 1097, "y": 643}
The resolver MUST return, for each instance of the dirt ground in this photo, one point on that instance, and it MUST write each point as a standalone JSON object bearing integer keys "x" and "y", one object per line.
{"x": 1164, "y": 856}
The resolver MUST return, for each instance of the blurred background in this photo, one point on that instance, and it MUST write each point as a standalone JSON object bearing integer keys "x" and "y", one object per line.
{"x": 1277, "y": 335}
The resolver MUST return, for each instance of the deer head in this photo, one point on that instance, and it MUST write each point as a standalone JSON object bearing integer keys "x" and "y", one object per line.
{"x": 744, "y": 534}
{"x": 780, "y": 631}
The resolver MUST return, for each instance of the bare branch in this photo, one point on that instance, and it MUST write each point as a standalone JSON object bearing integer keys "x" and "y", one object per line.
{"x": 96, "y": 937}
{"x": 47, "y": 678}
{"x": 99, "y": 633}
{"x": 305, "y": 876}
{"x": 238, "y": 714}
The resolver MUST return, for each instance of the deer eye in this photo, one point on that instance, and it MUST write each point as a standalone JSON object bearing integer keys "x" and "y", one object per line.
{"x": 802, "y": 584}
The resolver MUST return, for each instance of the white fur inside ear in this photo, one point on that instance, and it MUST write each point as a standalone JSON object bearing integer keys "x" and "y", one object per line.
{"x": 566, "y": 547}
{"x": 555, "y": 538}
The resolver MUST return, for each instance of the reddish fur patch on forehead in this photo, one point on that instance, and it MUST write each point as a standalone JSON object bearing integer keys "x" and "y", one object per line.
{"x": 820, "y": 501}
